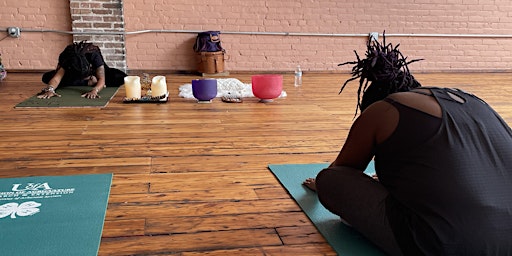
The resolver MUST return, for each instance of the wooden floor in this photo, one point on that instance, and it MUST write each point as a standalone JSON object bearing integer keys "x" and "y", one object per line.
{"x": 192, "y": 179}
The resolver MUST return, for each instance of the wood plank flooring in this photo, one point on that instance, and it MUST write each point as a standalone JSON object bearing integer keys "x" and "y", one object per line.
{"x": 192, "y": 179}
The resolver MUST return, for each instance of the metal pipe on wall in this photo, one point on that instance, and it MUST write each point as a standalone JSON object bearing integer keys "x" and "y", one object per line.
{"x": 262, "y": 33}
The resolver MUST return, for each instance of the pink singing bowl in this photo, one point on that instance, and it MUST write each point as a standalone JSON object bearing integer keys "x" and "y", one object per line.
{"x": 267, "y": 87}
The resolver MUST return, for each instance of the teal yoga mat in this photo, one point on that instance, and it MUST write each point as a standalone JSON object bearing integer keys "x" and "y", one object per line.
{"x": 53, "y": 215}
{"x": 343, "y": 239}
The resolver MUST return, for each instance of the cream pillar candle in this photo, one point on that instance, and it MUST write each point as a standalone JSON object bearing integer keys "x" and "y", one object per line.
{"x": 133, "y": 87}
{"x": 158, "y": 86}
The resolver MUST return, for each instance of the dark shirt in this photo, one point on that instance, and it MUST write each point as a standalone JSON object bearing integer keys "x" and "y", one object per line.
{"x": 92, "y": 54}
{"x": 449, "y": 178}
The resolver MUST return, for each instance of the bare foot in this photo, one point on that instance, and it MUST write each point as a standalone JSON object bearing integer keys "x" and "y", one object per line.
{"x": 310, "y": 183}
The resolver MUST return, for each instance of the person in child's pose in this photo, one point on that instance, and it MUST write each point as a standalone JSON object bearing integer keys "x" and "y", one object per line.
{"x": 81, "y": 64}
{"x": 443, "y": 159}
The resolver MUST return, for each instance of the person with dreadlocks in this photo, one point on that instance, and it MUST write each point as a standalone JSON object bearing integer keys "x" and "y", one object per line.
{"x": 443, "y": 163}
{"x": 81, "y": 64}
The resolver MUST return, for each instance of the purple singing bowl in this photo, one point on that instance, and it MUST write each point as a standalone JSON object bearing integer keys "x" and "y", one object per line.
{"x": 267, "y": 87}
{"x": 204, "y": 89}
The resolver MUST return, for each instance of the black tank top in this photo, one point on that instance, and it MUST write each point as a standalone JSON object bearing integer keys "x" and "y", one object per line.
{"x": 414, "y": 127}
{"x": 449, "y": 179}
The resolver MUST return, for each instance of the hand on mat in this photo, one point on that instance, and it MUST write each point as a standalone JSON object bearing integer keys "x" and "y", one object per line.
{"x": 47, "y": 95}
{"x": 91, "y": 95}
{"x": 310, "y": 183}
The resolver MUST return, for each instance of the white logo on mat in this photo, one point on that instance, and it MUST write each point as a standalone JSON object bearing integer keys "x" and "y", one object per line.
{"x": 31, "y": 186}
{"x": 24, "y": 209}
{"x": 32, "y": 190}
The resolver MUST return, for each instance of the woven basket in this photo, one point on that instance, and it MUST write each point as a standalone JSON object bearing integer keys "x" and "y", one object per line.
{"x": 211, "y": 62}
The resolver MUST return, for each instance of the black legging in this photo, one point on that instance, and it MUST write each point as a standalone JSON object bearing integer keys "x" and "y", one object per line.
{"x": 113, "y": 78}
{"x": 360, "y": 201}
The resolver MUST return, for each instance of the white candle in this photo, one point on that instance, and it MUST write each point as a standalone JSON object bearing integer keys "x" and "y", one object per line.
{"x": 158, "y": 86}
{"x": 133, "y": 87}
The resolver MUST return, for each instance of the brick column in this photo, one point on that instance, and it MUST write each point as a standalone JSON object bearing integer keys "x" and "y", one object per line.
{"x": 97, "y": 17}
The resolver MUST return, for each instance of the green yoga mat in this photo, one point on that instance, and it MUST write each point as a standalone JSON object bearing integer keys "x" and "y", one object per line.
{"x": 71, "y": 97}
{"x": 53, "y": 215}
{"x": 343, "y": 239}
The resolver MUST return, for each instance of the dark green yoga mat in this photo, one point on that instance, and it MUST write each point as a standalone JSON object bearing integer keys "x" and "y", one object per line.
{"x": 53, "y": 215}
{"x": 71, "y": 97}
{"x": 343, "y": 239}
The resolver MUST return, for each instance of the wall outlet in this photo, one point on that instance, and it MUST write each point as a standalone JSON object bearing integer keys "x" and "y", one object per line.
{"x": 374, "y": 36}
{"x": 14, "y": 31}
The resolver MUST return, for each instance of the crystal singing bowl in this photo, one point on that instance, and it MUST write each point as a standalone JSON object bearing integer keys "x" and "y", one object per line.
{"x": 267, "y": 87}
{"x": 204, "y": 89}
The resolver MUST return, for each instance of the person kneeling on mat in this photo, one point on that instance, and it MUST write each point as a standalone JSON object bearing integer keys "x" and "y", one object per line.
{"x": 81, "y": 64}
{"x": 443, "y": 162}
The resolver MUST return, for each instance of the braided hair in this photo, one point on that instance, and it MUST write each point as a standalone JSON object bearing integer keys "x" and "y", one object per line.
{"x": 73, "y": 59}
{"x": 384, "y": 71}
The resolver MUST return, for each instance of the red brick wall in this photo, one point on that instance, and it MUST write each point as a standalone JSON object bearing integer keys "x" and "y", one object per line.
{"x": 103, "y": 24}
{"x": 166, "y": 50}
{"x": 33, "y": 50}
